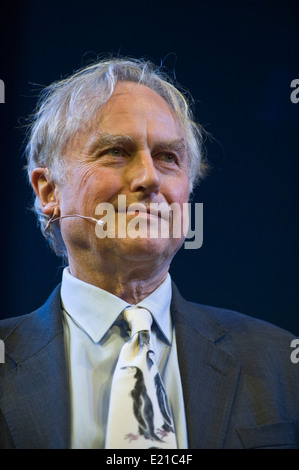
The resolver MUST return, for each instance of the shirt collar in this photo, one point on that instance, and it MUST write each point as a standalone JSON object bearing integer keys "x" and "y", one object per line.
{"x": 94, "y": 310}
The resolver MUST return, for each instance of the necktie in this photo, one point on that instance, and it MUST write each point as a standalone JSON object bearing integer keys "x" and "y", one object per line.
{"x": 139, "y": 416}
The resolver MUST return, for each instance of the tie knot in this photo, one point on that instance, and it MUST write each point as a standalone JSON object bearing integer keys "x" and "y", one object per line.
{"x": 139, "y": 319}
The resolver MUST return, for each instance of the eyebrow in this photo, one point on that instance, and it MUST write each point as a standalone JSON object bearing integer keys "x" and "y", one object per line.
{"x": 105, "y": 140}
{"x": 175, "y": 145}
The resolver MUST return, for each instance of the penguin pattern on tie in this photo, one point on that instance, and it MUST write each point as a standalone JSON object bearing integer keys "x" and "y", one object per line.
{"x": 139, "y": 406}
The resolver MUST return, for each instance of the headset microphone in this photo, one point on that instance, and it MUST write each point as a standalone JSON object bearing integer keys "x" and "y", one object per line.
{"x": 53, "y": 219}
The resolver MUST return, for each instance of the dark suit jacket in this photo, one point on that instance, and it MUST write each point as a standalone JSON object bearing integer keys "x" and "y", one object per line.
{"x": 241, "y": 389}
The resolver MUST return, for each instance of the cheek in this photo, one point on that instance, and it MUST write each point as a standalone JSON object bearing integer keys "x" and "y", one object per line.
{"x": 177, "y": 192}
{"x": 178, "y": 195}
{"x": 89, "y": 186}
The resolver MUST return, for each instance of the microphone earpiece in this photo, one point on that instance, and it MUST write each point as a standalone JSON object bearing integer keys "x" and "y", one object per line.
{"x": 56, "y": 211}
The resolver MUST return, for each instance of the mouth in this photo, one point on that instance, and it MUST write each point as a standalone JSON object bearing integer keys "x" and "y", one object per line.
{"x": 151, "y": 211}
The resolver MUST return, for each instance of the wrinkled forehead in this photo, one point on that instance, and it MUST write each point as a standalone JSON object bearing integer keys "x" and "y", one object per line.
{"x": 130, "y": 103}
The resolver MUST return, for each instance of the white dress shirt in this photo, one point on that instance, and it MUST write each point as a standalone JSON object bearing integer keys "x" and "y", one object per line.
{"x": 94, "y": 335}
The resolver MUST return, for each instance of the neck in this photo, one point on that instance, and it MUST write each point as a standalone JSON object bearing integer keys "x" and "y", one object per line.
{"x": 131, "y": 284}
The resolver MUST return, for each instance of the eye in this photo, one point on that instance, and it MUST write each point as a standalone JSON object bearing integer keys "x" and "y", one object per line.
{"x": 115, "y": 152}
{"x": 166, "y": 157}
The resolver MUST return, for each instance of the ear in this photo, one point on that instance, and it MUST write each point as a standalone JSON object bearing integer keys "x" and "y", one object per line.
{"x": 46, "y": 190}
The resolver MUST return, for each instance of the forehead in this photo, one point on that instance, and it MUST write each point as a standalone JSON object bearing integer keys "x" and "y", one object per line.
{"x": 133, "y": 110}
{"x": 134, "y": 102}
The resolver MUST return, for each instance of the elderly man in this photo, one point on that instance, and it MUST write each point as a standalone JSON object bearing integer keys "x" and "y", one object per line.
{"x": 190, "y": 376}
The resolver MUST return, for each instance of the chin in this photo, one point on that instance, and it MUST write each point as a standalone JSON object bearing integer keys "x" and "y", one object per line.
{"x": 148, "y": 249}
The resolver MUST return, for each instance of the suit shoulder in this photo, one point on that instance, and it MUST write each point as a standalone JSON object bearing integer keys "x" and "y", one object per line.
{"x": 207, "y": 319}
{"x": 24, "y": 335}
{"x": 8, "y": 325}
{"x": 16, "y": 325}
{"x": 37, "y": 319}
{"x": 241, "y": 324}
{"x": 262, "y": 348}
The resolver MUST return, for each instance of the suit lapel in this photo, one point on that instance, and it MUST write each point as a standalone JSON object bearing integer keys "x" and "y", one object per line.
{"x": 36, "y": 408}
{"x": 209, "y": 374}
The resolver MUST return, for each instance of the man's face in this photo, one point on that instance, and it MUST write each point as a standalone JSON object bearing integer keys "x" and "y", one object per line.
{"x": 134, "y": 147}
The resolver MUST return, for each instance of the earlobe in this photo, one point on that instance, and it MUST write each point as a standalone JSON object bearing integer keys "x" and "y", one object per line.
{"x": 46, "y": 191}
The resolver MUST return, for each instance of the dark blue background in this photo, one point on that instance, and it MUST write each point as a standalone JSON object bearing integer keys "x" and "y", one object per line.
{"x": 238, "y": 59}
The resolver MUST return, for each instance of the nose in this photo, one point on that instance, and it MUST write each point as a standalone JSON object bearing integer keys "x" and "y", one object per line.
{"x": 143, "y": 175}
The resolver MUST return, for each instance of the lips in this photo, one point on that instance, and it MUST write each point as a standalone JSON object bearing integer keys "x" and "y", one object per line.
{"x": 151, "y": 210}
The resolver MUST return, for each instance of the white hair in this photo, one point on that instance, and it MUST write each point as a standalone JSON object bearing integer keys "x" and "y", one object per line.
{"x": 66, "y": 105}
